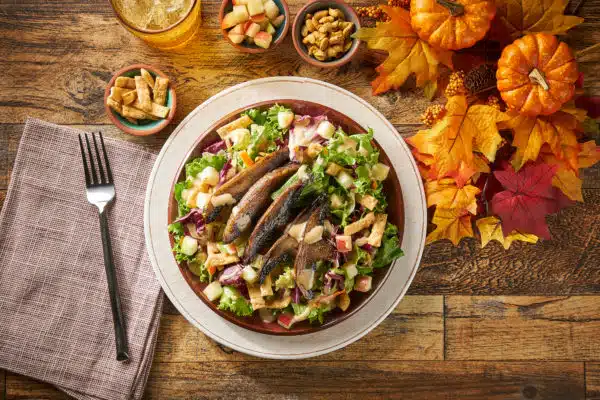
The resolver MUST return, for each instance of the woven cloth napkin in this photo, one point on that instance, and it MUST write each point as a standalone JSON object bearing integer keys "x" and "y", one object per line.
{"x": 55, "y": 317}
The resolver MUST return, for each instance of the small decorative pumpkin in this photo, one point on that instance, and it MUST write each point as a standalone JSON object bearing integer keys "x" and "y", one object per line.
{"x": 451, "y": 25}
{"x": 536, "y": 74}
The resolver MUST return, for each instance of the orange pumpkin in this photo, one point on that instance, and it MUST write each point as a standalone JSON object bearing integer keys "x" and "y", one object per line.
{"x": 451, "y": 25}
{"x": 536, "y": 74}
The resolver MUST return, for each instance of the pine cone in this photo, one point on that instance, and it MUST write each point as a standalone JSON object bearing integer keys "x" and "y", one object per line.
{"x": 481, "y": 78}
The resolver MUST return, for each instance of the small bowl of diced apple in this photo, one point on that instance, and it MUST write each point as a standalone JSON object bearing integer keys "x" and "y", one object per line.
{"x": 254, "y": 26}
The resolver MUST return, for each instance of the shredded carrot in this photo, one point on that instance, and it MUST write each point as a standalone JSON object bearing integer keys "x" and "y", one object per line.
{"x": 325, "y": 151}
{"x": 212, "y": 269}
{"x": 246, "y": 159}
{"x": 374, "y": 185}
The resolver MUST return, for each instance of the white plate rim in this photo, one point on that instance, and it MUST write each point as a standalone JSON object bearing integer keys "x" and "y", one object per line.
{"x": 193, "y": 309}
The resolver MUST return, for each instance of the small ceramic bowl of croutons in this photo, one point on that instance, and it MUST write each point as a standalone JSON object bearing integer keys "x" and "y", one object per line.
{"x": 140, "y": 100}
{"x": 254, "y": 26}
{"x": 322, "y": 33}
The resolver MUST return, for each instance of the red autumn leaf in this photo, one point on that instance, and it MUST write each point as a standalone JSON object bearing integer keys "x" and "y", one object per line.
{"x": 528, "y": 198}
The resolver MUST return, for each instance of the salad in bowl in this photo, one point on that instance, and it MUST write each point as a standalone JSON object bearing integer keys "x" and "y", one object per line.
{"x": 284, "y": 219}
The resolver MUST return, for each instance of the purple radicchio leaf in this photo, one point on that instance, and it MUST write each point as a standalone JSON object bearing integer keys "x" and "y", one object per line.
{"x": 195, "y": 217}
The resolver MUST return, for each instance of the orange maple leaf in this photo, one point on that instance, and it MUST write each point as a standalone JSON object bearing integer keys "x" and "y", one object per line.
{"x": 407, "y": 53}
{"x": 451, "y": 223}
{"x": 516, "y": 18}
{"x": 567, "y": 176}
{"x": 490, "y": 228}
{"x": 558, "y": 131}
{"x": 451, "y": 141}
{"x": 446, "y": 194}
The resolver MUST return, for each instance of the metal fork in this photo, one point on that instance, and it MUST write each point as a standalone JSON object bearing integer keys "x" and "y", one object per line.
{"x": 100, "y": 191}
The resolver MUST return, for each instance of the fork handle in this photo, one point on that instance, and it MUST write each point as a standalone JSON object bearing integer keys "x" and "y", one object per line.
{"x": 113, "y": 291}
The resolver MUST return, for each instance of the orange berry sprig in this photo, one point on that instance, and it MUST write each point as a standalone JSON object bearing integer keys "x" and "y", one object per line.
{"x": 433, "y": 114}
{"x": 494, "y": 101}
{"x": 373, "y": 12}
{"x": 399, "y": 3}
{"x": 456, "y": 84}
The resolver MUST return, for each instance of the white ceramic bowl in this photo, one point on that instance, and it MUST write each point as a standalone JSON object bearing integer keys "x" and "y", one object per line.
{"x": 165, "y": 170}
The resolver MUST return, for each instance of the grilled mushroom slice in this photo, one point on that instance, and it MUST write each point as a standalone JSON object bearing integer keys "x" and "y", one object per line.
{"x": 240, "y": 183}
{"x": 255, "y": 202}
{"x": 285, "y": 248}
{"x": 273, "y": 221}
{"x": 312, "y": 248}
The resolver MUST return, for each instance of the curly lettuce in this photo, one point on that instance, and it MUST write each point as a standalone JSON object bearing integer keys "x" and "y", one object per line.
{"x": 232, "y": 300}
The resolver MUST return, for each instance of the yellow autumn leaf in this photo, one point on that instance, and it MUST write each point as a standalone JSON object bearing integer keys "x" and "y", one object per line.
{"x": 451, "y": 223}
{"x": 530, "y": 133}
{"x": 445, "y": 194}
{"x": 490, "y": 229}
{"x": 464, "y": 129}
{"x": 569, "y": 183}
{"x": 407, "y": 53}
{"x": 516, "y": 18}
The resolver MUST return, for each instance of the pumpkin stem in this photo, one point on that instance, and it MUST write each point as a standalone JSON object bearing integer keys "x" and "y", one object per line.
{"x": 536, "y": 76}
{"x": 455, "y": 9}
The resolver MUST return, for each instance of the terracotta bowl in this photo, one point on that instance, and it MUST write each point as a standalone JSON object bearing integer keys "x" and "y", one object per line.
{"x": 227, "y": 6}
{"x": 147, "y": 127}
{"x": 311, "y": 8}
{"x": 395, "y": 215}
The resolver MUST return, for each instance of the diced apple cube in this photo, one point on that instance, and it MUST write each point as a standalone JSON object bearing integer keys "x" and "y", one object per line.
{"x": 213, "y": 291}
{"x": 241, "y": 9}
{"x": 189, "y": 245}
{"x": 363, "y": 283}
{"x": 255, "y": 7}
{"x": 326, "y": 129}
{"x": 259, "y": 18}
{"x": 270, "y": 29}
{"x": 343, "y": 243}
{"x": 238, "y": 29}
{"x": 237, "y": 16}
{"x": 286, "y": 320}
{"x": 271, "y": 9}
{"x": 263, "y": 39}
{"x": 252, "y": 29}
{"x": 380, "y": 171}
{"x": 278, "y": 21}
{"x": 285, "y": 119}
{"x": 236, "y": 37}
{"x": 240, "y": 2}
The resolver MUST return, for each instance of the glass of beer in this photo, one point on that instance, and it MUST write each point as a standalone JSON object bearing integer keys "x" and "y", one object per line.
{"x": 165, "y": 24}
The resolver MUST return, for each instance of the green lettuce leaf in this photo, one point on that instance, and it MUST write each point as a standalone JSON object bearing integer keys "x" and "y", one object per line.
{"x": 232, "y": 300}
{"x": 390, "y": 247}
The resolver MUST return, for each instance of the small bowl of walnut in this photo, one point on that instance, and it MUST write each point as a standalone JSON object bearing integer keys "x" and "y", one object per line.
{"x": 322, "y": 33}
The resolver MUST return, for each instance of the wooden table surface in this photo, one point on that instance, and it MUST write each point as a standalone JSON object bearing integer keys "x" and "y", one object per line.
{"x": 477, "y": 323}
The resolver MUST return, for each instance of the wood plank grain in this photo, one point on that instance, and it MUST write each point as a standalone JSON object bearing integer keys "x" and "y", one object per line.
{"x": 414, "y": 331}
{"x": 22, "y": 387}
{"x": 592, "y": 381}
{"x": 522, "y": 328}
{"x": 567, "y": 264}
{"x": 339, "y": 380}
{"x": 59, "y": 69}
{"x": 361, "y": 379}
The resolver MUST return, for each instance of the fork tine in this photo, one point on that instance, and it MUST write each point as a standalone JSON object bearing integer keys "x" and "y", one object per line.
{"x": 108, "y": 171}
{"x": 102, "y": 178}
{"x": 95, "y": 179}
{"x": 85, "y": 166}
